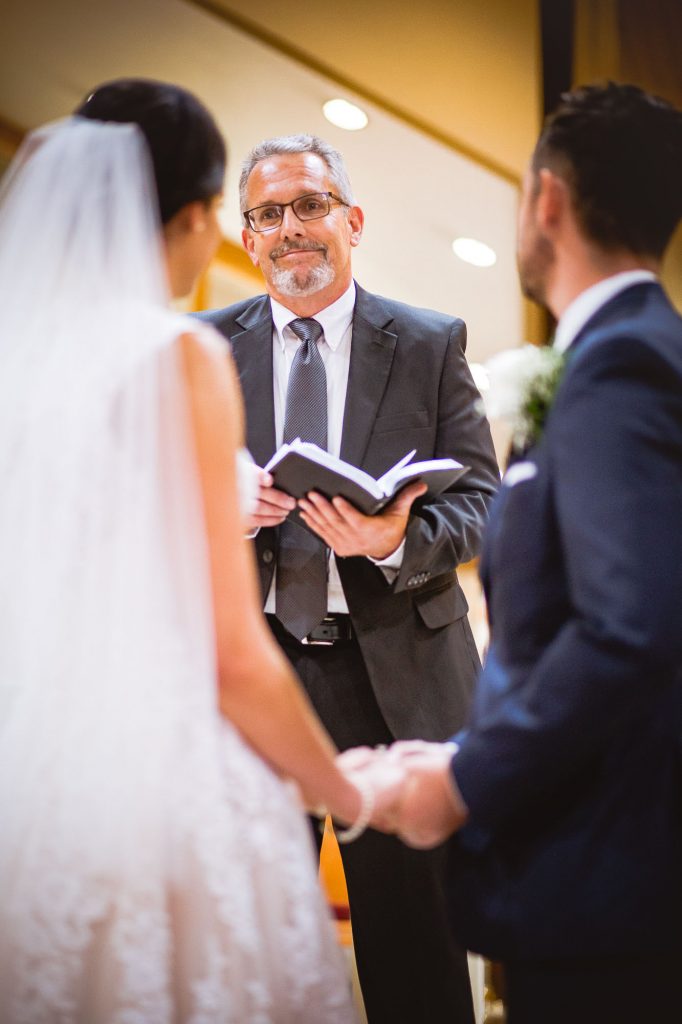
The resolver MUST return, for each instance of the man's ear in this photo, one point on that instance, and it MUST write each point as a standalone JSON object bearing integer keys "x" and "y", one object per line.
{"x": 356, "y": 220}
{"x": 247, "y": 242}
{"x": 553, "y": 201}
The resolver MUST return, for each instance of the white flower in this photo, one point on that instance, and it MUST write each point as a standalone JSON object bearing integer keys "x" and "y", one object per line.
{"x": 521, "y": 383}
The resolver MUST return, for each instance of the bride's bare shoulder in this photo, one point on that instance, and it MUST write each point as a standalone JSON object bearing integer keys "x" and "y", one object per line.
{"x": 210, "y": 375}
{"x": 206, "y": 358}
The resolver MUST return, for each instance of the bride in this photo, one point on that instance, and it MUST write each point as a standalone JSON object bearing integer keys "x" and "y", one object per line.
{"x": 155, "y": 865}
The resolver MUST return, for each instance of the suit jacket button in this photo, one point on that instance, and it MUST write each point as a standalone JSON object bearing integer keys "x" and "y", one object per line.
{"x": 268, "y": 556}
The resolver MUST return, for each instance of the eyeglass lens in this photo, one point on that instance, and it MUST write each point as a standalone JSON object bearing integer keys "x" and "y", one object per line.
{"x": 308, "y": 207}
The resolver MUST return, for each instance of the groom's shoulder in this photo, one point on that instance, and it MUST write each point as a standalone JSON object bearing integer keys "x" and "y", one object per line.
{"x": 636, "y": 328}
{"x": 237, "y": 317}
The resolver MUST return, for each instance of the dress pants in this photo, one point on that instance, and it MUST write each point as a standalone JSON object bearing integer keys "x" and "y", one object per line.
{"x": 603, "y": 990}
{"x": 410, "y": 968}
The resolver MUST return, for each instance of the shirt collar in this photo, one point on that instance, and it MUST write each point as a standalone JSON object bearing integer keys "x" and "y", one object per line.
{"x": 334, "y": 319}
{"x": 593, "y": 298}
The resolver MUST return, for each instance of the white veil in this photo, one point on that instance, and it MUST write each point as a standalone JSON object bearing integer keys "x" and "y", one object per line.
{"x": 105, "y": 611}
{"x": 93, "y": 430}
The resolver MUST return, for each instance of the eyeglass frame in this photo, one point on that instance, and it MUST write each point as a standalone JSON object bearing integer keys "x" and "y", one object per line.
{"x": 282, "y": 206}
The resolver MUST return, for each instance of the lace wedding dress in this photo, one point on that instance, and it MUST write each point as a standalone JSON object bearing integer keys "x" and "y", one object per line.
{"x": 153, "y": 869}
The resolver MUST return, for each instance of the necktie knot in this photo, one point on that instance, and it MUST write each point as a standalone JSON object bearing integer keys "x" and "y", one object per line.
{"x": 307, "y": 329}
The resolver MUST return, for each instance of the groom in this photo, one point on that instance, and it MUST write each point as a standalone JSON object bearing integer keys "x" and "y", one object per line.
{"x": 567, "y": 785}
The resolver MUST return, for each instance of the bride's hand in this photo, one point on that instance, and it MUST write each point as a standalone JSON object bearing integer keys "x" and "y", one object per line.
{"x": 385, "y": 776}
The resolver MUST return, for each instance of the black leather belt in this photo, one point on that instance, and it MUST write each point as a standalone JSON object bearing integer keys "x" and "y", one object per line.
{"x": 335, "y": 628}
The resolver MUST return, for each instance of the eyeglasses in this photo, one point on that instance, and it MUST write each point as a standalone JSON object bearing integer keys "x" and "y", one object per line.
{"x": 309, "y": 207}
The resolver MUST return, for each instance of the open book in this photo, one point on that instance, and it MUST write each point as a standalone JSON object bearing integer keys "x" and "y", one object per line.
{"x": 300, "y": 467}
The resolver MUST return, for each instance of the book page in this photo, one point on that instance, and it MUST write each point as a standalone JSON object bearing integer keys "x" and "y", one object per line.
{"x": 401, "y": 474}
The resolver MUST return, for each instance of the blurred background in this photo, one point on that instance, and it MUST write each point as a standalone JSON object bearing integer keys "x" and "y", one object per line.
{"x": 443, "y": 102}
{"x": 453, "y": 92}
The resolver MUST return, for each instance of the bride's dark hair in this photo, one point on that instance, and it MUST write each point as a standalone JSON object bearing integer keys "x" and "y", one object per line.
{"x": 187, "y": 149}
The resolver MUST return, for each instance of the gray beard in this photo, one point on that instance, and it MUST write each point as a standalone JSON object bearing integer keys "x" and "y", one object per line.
{"x": 290, "y": 282}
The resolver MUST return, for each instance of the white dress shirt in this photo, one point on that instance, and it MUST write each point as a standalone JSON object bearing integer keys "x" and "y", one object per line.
{"x": 588, "y": 302}
{"x": 337, "y": 324}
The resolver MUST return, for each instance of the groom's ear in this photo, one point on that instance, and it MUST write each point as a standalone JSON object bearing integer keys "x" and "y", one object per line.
{"x": 553, "y": 200}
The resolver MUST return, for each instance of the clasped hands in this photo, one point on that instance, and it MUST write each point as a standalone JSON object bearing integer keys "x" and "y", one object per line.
{"x": 415, "y": 794}
{"x": 338, "y": 523}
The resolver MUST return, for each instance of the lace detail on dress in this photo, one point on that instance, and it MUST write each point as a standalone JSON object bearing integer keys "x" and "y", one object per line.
{"x": 213, "y": 915}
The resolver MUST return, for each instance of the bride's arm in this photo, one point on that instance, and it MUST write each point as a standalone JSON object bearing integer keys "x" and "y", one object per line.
{"x": 258, "y": 690}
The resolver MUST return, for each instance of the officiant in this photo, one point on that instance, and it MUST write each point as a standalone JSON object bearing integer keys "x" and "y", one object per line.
{"x": 367, "y": 608}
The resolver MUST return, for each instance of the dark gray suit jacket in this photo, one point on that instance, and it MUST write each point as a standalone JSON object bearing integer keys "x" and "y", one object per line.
{"x": 409, "y": 387}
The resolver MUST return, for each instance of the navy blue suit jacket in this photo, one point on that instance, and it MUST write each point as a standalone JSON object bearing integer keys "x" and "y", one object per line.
{"x": 571, "y": 763}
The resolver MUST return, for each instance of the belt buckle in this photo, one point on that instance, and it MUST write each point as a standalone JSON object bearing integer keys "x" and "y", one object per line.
{"x": 322, "y": 641}
{"x": 317, "y": 643}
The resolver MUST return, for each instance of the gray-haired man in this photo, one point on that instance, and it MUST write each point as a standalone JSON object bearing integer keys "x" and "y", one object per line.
{"x": 381, "y": 641}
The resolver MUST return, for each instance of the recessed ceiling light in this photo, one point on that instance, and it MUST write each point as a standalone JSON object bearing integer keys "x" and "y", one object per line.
{"x": 345, "y": 115}
{"x": 472, "y": 251}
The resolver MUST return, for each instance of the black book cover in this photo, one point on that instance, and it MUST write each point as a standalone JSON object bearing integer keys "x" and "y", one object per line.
{"x": 296, "y": 473}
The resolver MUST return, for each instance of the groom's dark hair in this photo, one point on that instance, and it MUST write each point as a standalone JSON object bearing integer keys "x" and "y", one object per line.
{"x": 620, "y": 151}
{"x": 186, "y": 146}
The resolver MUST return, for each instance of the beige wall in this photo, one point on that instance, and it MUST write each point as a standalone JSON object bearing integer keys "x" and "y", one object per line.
{"x": 466, "y": 70}
{"x": 630, "y": 41}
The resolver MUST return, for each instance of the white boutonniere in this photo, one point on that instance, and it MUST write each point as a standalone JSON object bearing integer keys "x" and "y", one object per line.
{"x": 520, "y": 387}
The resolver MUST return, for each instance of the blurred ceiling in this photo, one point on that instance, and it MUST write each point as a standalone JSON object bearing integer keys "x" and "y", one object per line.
{"x": 452, "y": 89}
{"x": 418, "y": 190}
{"x": 465, "y": 72}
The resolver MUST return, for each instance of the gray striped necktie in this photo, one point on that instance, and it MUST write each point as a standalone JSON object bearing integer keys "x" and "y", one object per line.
{"x": 301, "y": 589}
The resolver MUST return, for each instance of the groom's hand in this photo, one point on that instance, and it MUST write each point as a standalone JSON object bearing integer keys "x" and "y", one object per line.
{"x": 431, "y": 807}
{"x": 416, "y": 795}
{"x": 349, "y": 532}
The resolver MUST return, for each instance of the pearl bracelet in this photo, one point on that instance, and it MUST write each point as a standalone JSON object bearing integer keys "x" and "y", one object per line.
{"x": 367, "y": 796}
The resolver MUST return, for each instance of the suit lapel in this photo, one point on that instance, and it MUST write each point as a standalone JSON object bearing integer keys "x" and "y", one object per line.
{"x": 371, "y": 357}
{"x": 253, "y": 352}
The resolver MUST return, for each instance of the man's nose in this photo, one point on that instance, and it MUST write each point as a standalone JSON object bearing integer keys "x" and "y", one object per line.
{"x": 291, "y": 225}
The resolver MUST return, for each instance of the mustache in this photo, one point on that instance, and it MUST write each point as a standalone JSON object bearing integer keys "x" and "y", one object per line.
{"x": 295, "y": 245}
